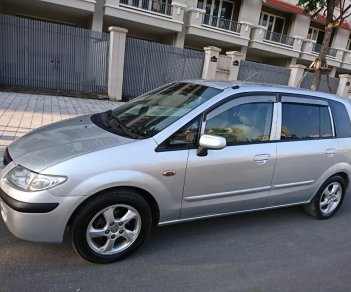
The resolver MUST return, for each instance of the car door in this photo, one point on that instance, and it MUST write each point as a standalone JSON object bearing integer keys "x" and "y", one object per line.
{"x": 306, "y": 149}
{"x": 239, "y": 176}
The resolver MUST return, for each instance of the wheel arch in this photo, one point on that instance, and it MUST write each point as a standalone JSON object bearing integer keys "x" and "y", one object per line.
{"x": 155, "y": 211}
{"x": 344, "y": 176}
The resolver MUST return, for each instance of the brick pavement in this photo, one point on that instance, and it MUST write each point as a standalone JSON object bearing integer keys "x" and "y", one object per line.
{"x": 21, "y": 113}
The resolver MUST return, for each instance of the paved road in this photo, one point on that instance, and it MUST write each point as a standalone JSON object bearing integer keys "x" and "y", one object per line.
{"x": 279, "y": 250}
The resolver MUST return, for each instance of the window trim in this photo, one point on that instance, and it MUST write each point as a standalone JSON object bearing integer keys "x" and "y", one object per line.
{"x": 309, "y": 99}
{"x": 303, "y": 99}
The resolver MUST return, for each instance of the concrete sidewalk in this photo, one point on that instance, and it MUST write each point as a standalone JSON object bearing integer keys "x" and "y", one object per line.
{"x": 21, "y": 113}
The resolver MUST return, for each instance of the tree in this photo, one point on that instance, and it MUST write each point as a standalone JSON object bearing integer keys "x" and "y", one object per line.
{"x": 333, "y": 18}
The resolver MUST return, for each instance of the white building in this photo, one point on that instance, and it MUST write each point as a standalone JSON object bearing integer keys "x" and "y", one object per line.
{"x": 271, "y": 31}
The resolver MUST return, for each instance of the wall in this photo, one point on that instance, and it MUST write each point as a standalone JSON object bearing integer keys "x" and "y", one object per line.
{"x": 340, "y": 38}
{"x": 63, "y": 15}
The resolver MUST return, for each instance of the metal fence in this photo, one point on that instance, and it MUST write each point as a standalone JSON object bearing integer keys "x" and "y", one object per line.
{"x": 221, "y": 23}
{"x": 323, "y": 86}
{"x": 148, "y": 65}
{"x": 279, "y": 38}
{"x": 331, "y": 52}
{"x": 47, "y": 55}
{"x": 262, "y": 73}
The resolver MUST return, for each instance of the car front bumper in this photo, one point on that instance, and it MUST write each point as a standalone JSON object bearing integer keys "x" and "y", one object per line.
{"x": 35, "y": 216}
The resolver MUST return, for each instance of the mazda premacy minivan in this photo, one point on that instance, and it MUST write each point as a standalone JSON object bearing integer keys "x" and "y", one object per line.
{"x": 185, "y": 151}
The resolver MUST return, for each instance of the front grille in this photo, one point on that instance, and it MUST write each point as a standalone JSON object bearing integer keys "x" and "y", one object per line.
{"x": 7, "y": 157}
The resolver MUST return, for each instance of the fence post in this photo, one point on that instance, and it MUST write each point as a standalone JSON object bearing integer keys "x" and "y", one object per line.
{"x": 296, "y": 74}
{"x": 344, "y": 85}
{"x": 210, "y": 64}
{"x": 235, "y": 57}
{"x": 116, "y": 62}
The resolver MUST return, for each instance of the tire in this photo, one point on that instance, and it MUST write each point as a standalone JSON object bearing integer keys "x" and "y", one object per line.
{"x": 328, "y": 199}
{"x": 111, "y": 226}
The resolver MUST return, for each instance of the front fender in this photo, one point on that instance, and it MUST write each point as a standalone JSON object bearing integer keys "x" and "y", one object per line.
{"x": 168, "y": 200}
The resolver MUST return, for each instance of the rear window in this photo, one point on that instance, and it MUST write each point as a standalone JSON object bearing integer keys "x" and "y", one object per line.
{"x": 341, "y": 119}
{"x": 305, "y": 121}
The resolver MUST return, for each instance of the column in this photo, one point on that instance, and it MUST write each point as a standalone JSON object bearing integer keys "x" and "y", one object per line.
{"x": 250, "y": 10}
{"x": 98, "y": 16}
{"x": 297, "y": 45}
{"x": 296, "y": 74}
{"x": 211, "y": 60}
{"x": 344, "y": 85}
{"x": 116, "y": 62}
{"x": 178, "y": 14}
{"x": 300, "y": 26}
{"x": 340, "y": 39}
{"x": 332, "y": 72}
{"x": 236, "y": 57}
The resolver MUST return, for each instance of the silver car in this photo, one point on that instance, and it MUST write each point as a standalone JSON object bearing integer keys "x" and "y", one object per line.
{"x": 186, "y": 151}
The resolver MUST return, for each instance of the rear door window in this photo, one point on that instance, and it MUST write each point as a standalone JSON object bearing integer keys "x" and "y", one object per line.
{"x": 305, "y": 121}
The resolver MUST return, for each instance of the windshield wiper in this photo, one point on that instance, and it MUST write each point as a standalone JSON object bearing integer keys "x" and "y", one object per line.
{"x": 113, "y": 122}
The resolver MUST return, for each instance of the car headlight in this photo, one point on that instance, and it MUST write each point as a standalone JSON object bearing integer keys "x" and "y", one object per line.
{"x": 30, "y": 181}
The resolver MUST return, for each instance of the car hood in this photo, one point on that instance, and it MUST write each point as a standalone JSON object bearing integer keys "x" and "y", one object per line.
{"x": 60, "y": 141}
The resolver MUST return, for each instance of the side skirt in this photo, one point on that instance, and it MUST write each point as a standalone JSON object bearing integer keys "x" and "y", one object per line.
{"x": 228, "y": 214}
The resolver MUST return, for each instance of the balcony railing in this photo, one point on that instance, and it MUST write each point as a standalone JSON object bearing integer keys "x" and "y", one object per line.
{"x": 330, "y": 51}
{"x": 279, "y": 38}
{"x": 221, "y": 23}
{"x": 150, "y": 5}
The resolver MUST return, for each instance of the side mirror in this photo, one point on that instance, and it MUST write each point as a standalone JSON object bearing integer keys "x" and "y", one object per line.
{"x": 213, "y": 142}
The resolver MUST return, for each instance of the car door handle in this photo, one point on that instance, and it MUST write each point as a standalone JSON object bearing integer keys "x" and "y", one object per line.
{"x": 261, "y": 159}
{"x": 330, "y": 152}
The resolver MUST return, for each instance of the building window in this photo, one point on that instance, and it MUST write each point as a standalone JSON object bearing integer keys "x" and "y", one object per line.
{"x": 217, "y": 9}
{"x": 273, "y": 23}
{"x": 316, "y": 35}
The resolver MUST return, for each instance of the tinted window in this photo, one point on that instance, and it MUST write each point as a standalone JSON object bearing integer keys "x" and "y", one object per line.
{"x": 184, "y": 138}
{"x": 341, "y": 119}
{"x": 244, "y": 123}
{"x": 303, "y": 121}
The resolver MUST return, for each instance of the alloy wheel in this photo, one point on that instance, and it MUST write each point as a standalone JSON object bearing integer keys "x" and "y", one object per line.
{"x": 330, "y": 198}
{"x": 113, "y": 229}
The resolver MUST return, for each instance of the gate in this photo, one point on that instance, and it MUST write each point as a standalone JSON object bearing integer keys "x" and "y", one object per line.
{"x": 262, "y": 73}
{"x": 148, "y": 65}
{"x": 47, "y": 55}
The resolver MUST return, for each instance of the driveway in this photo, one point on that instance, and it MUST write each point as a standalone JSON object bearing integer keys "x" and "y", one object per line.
{"x": 278, "y": 250}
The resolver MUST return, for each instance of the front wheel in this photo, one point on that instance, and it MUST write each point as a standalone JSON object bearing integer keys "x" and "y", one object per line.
{"x": 328, "y": 199}
{"x": 111, "y": 226}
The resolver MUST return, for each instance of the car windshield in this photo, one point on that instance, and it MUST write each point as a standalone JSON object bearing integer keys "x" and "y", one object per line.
{"x": 152, "y": 112}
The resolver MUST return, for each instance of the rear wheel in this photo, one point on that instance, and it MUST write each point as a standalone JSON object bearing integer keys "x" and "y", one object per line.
{"x": 111, "y": 226}
{"x": 328, "y": 199}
